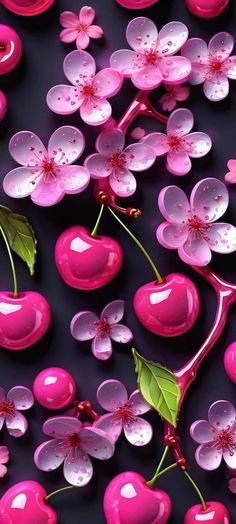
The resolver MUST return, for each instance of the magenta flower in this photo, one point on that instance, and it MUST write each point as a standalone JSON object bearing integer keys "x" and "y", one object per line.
{"x": 212, "y": 66}
{"x": 79, "y": 27}
{"x": 173, "y": 94}
{"x": 230, "y": 177}
{"x": 217, "y": 438}
{"x": 46, "y": 175}
{"x": 4, "y": 458}
{"x": 123, "y": 413}
{"x": 72, "y": 443}
{"x": 89, "y": 91}
{"x": 18, "y": 399}
{"x": 86, "y": 325}
{"x": 179, "y": 144}
{"x": 150, "y": 62}
{"x": 189, "y": 224}
{"x": 232, "y": 485}
{"x": 116, "y": 163}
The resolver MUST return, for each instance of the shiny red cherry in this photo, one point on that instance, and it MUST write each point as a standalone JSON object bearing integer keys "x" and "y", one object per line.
{"x": 54, "y": 388}
{"x": 215, "y": 513}
{"x": 86, "y": 262}
{"x": 168, "y": 309}
{"x": 27, "y": 7}
{"x": 206, "y": 8}
{"x": 24, "y": 503}
{"x": 24, "y": 319}
{"x": 3, "y": 105}
{"x": 10, "y": 49}
{"x": 136, "y": 4}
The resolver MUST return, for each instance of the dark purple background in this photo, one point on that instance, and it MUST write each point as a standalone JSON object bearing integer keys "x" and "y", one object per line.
{"x": 26, "y": 89}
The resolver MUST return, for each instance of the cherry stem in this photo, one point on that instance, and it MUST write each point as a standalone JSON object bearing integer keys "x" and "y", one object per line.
{"x": 140, "y": 246}
{"x": 140, "y": 105}
{"x": 15, "y": 285}
{"x": 150, "y": 482}
{"x": 94, "y": 232}
{"x": 204, "y": 506}
{"x": 59, "y": 491}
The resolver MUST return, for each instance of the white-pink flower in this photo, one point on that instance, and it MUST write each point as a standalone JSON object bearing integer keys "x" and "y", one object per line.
{"x": 212, "y": 65}
{"x": 71, "y": 443}
{"x": 230, "y": 177}
{"x": 173, "y": 94}
{"x": 150, "y": 60}
{"x": 79, "y": 28}
{"x": 46, "y": 174}
{"x": 123, "y": 413}
{"x": 179, "y": 144}
{"x": 89, "y": 90}
{"x": 4, "y": 458}
{"x": 18, "y": 399}
{"x": 116, "y": 162}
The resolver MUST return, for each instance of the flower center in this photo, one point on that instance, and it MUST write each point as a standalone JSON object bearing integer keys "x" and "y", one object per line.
{"x": 125, "y": 412}
{"x": 74, "y": 441}
{"x": 151, "y": 57}
{"x": 215, "y": 65}
{"x": 104, "y": 327}
{"x": 87, "y": 90}
{"x": 174, "y": 141}
{"x": 197, "y": 226}
{"x": 225, "y": 441}
{"x": 81, "y": 28}
{"x": 7, "y": 408}
{"x": 47, "y": 166}
{"x": 118, "y": 161}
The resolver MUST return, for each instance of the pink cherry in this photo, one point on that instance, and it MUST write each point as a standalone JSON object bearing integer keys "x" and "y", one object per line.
{"x": 136, "y": 4}
{"x": 24, "y": 503}
{"x": 27, "y": 7}
{"x": 54, "y": 388}
{"x": 3, "y": 105}
{"x": 168, "y": 309}
{"x": 10, "y": 49}
{"x": 230, "y": 361}
{"x": 87, "y": 262}
{"x": 129, "y": 500}
{"x": 215, "y": 513}
{"x": 23, "y": 319}
{"x": 206, "y": 8}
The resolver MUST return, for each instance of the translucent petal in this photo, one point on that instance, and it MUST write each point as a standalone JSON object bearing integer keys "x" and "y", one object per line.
{"x": 138, "y": 431}
{"x": 139, "y": 157}
{"x": 222, "y": 415}
{"x": 230, "y": 67}
{"x": 102, "y": 346}
{"x": 78, "y": 469}
{"x": 202, "y": 432}
{"x": 180, "y": 122}
{"x": 110, "y": 141}
{"x": 221, "y": 45}
{"x": 142, "y": 34}
{"x": 111, "y": 424}
{"x": 22, "y": 397}
{"x": 107, "y": 83}
{"x": 113, "y": 312}
{"x": 98, "y": 166}
{"x": 175, "y": 70}
{"x": 172, "y": 37}
{"x": 230, "y": 457}
{"x": 82, "y": 40}
{"x": 195, "y": 251}
{"x": 47, "y": 193}
{"x": 20, "y": 182}
{"x": 63, "y": 100}
{"x": 68, "y": 35}
{"x": 148, "y": 77}
{"x": 110, "y": 394}
{"x": 95, "y": 31}
{"x": 178, "y": 162}
{"x": 66, "y": 145}
{"x": 121, "y": 334}
{"x": 74, "y": 179}
{"x": 86, "y": 15}
{"x": 173, "y": 204}
{"x": 79, "y": 67}
{"x": 126, "y": 62}
{"x": 26, "y": 148}
{"x": 123, "y": 183}
{"x": 222, "y": 238}
{"x": 159, "y": 141}
{"x": 17, "y": 424}
{"x": 196, "y": 50}
{"x": 139, "y": 406}
{"x": 96, "y": 443}
{"x": 69, "y": 19}
{"x": 172, "y": 236}
{"x": 95, "y": 111}
{"x": 209, "y": 199}
{"x": 197, "y": 144}
{"x": 208, "y": 457}
{"x": 61, "y": 427}
{"x": 216, "y": 87}
{"x": 50, "y": 455}
{"x": 84, "y": 325}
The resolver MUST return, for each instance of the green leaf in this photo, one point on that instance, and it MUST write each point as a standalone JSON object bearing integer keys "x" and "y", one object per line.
{"x": 20, "y": 236}
{"x": 158, "y": 386}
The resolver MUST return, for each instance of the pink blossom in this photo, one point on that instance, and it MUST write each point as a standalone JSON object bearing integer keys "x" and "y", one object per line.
{"x": 46, "y": 175}
{"x": 189, "y": 224}
{"x": 89, "y": 91}
{"x": 137, "y": 133}
{"x": 79, "y": 27}
{"x": 151, "y": 60}
{"x": 86, "y": 325}
{"x": 116, "y": 162}
{"x": 18, "y": 399}
{"x": 179, "y": 144}
{"x": 216, "y": 436}
{"x": 71, "y": 443}
{"x": 173, "y": 94}
{"x": 212, "y": 65}
{"x": 123, "y": 413}
{"x": 230, "y": 177}
{"x": 4, "y": 458}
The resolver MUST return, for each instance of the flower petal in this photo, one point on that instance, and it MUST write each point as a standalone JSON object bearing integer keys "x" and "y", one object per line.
{"x": 4, "y": 455}
{"x": 2, "y": 395}
{"x": 98, "y": 166}
{"x": 102, "y": 346}
{"x": 77, "y": 65}
{"x": 172, "y": 236}
{"x": 159, "y": 142}
{"x": 178, "y": 162}
{"x": 173, "y": 204}
{"x": 216, "y": 87}
{"x": 141, "y": 34}
{"x": 84, "y": 325}
{"x": 3, "y": 471}
{"x": 110, "y": 394}
{"x": 110, "y": 141}
{"x": 232, "y": 485}
{"x": 180, "y": 122}
{"x": 96, "y": 443}
{"x": 20, "y": 182}
{"x": 209, "y": 199}
{"x": 148, "y": 77}
{"x": 2, "y": 420}
{"x": 175, "y": 70}
{"x": 172, "y": 37}
{"x": 95, "y": 31}
{"x": 61, "y": 427}
{"x": 202, "y": 432}
{"x": 222, "y": 238}
{"x": 110, "y": 424}
{"x": 47, "y": 193}
{"x": 139, "y": 406}
{"x": 138, "y": 432}
{"x": 231, "y": 164}
{"x": 208, "y": 457}
{"x": 121, "y": 334}
{"x": 17, "y": 425}
{"x": 126, "y": 62}
{"x": 197, "y": 144}
{"x": 63, "y": 100}
{"x": 50, "y": 455}
{"x": 181, "y": 93}
{"x": 66, "y": 145}
{"x": 167, "y": 102}
{"x": 26, "y": 148}
{"x": 195, "y": 251}
{"x": 107, "y": 83}
{"x": 139, "y": 157}
{"x": 82, "y": 40}
{"x": 230, "y": 177}
{"x": 221, "y": 45}
{"x": 22, "y": 397}
{"x": 123, "y": 183}
{"x": 68, "y": 35}
{"x": 78, "y": 469}
{"x": 196, "y": 50}
{"x": 230, "y": 457}
{"x": 69, "y": 19}
{"x": 113, "y": 312}
{"x": 95, "y": 111}
{"x": 74, "y": 179}
{"x": 222, "y": 414}
{"x": 86, "y": 15}
{"x": 230, "y": 67}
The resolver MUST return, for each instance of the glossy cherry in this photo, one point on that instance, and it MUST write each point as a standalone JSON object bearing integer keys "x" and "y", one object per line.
{"x": 230, "y": 361}
{"x": 168, "y": 309}
{"x": 24, "y": 503}
{"x": 10, "y": 49}
{"x": 206, "y": 8}
{"x": 3, "y": 105}
{"x": 24, "y": 319}
{"x": 54, "y": 388}
{"x": 27, "y": 7}
{"x": 136, "y": 4}
{"x": 129, "y": 500}
{"x": 86, "y": 262}
{"x": 215, "y": 513}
